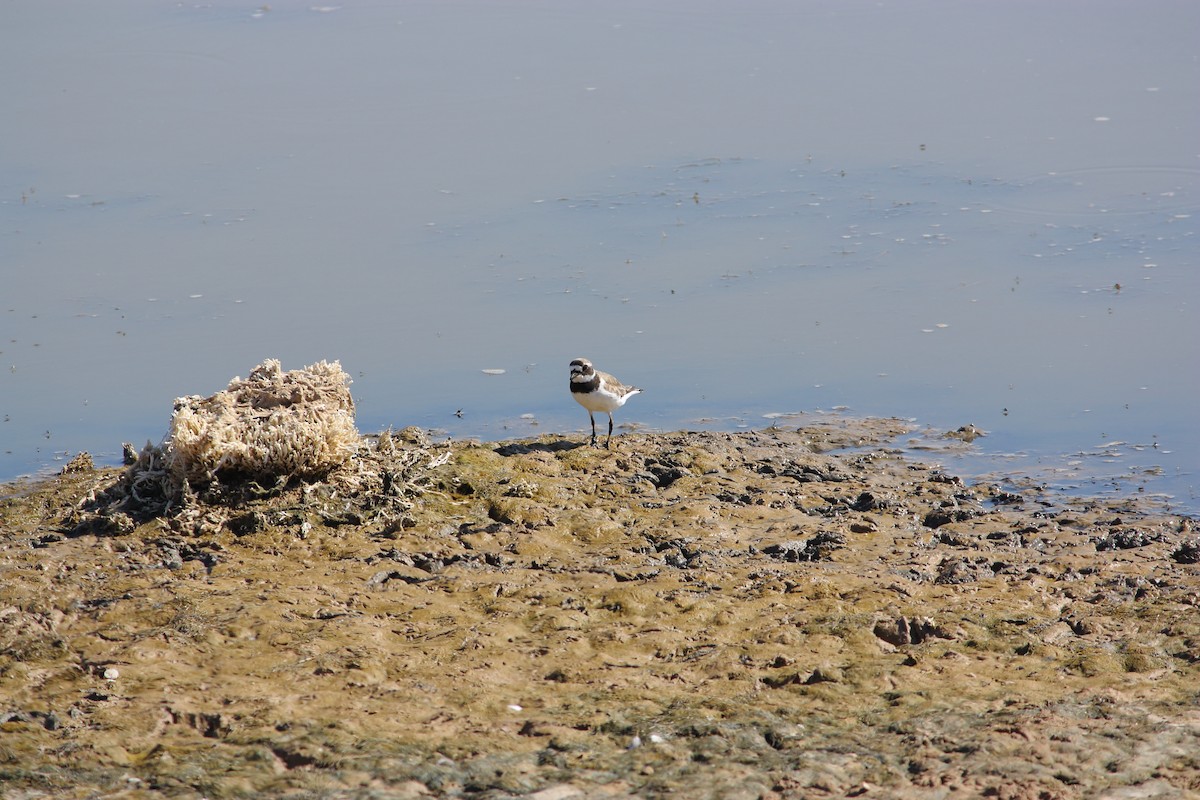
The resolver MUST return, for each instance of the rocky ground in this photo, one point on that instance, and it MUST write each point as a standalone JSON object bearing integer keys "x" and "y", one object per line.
{"x": 772, "y": 614}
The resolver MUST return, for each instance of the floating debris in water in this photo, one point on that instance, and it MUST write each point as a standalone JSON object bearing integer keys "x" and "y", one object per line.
{"x": 782, "y": 414}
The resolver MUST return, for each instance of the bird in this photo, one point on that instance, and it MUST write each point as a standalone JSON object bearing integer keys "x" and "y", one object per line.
{"x": 598, "y": 391}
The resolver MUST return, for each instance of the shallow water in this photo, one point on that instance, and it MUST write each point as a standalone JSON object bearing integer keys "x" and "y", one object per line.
{"x": 954, "y": 213}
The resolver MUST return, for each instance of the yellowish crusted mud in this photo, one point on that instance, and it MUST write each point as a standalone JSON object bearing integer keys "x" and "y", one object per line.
{"x": 781, "y": 613}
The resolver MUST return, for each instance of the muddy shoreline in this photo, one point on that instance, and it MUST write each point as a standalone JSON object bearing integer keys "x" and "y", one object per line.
{"x": 791, "y": 612}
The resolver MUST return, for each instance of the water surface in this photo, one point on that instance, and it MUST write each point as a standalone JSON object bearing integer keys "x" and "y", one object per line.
{"x": 957, "y": 213}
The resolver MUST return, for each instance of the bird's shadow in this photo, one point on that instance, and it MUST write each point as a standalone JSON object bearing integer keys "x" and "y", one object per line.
{"x": 522, "y": 448}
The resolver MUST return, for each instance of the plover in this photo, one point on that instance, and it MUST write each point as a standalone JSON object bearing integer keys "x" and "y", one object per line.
{"x": 598, "y": 391}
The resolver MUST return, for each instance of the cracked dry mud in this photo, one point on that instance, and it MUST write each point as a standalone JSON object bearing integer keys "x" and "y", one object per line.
{"x": 772, "y": 614}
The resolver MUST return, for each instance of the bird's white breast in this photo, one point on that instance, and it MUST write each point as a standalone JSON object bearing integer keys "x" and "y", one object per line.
{"x": 603, "y": 399}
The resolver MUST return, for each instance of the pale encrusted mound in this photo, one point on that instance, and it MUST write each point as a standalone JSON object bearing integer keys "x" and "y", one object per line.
{"x": 272, "y": 425}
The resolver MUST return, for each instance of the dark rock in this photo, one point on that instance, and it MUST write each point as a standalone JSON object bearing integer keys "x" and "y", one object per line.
{"x": 663, "y": 475}
{"x": 953, "y": 571}
{"x": 1126, "y": 539}
{"x": 818, "y": 548}
{"x": 913, "y": 630}
{"x": 1187, "y": 553}
{"x": 246, "y": 524}
{"x": 866, "y": 501}
{"x": 944, "y": 516}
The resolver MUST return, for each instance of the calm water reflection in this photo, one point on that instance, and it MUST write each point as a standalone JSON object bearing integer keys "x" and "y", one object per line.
{"x": 951, "y": 212}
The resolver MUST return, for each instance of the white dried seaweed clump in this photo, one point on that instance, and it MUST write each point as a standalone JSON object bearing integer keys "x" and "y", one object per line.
{"x": 272, "y": 425}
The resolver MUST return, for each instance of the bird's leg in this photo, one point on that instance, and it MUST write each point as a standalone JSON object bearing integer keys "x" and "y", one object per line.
{"x": 608, "y": 441}
{"x": 593, "y": 419}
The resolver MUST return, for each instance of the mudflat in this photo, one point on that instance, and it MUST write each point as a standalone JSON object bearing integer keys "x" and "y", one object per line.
{"x": 789, "y": 612}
